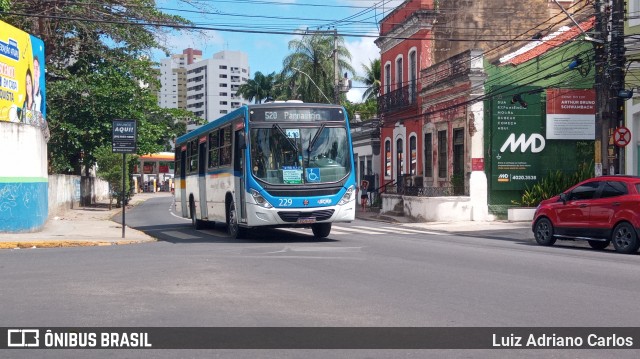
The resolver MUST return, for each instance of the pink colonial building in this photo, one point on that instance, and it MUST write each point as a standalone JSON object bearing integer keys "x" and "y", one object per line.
{"x": 405, "y": 44}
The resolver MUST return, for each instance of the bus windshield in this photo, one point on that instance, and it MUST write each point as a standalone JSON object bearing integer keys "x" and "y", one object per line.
{"x": 297, "y": 155}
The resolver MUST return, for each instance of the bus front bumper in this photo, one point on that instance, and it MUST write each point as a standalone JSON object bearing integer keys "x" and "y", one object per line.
{"x": 258, "y": 216}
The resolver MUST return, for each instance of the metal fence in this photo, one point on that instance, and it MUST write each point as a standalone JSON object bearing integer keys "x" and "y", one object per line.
{"x": 420, "y": 191}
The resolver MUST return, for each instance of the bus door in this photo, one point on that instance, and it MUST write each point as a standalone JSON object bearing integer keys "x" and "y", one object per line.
{"x": 239, "y": 146}
{"x": 202, "y": 176}
{"x": 183, "y": 181}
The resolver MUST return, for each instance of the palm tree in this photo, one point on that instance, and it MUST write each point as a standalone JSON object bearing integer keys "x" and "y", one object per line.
{"x": 371, "y": 79}
{"x": 258, "y": 88}
{"x": 313, "y": 55}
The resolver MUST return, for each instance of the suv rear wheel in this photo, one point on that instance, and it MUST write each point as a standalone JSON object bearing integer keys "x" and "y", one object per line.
{"x": 625, "y": 239}
{"x": 543, "y": 232}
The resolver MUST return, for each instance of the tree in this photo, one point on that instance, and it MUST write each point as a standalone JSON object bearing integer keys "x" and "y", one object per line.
{"x": 367, "y": 109}
{"x": 98, "y": 70}
{"x": 110, "y": 170}
{"x": 371, "y": 79}
{"x": 312, "y": 62}
{"x": 258, "y": 88}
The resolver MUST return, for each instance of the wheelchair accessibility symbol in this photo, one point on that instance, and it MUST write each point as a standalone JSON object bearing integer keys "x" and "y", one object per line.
{"x": 312, "y": 174}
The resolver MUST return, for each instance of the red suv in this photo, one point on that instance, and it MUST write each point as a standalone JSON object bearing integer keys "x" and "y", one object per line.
{"x": 600, "y": 210}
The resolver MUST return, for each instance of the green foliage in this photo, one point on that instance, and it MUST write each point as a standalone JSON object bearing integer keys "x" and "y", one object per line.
{"x": 310, "y": 66}
{"x": 110, "y": 170}
{"x": 258, "y": 88}
{"x": 98, "y": 71}
{"x": 371, "y": 79}
{"x": 553, "y": 184}
{"x": 367, "y": 109}
{"x": 457, "y": 183}
{"x": 4, "y": 5}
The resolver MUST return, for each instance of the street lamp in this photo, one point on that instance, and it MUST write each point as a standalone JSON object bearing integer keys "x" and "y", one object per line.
{"x": 313, "y": 82}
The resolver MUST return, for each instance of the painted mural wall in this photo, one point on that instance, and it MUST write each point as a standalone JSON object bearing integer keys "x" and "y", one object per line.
{"x": 23, "y": 132}
{"x": 539, "y": 118}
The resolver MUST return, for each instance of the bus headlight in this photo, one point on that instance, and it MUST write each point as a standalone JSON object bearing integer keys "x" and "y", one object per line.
{"x": 347, "y": 196}
{"x": 260, "y": 201}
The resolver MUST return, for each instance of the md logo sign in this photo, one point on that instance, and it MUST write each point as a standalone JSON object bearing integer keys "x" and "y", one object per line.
{"x": 535, "y": 141}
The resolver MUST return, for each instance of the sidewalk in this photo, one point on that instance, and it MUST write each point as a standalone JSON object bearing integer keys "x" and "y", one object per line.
{"x": 92, "y": 226}
{"x": 84, "y": 226}
{"x": 491, "y": 229}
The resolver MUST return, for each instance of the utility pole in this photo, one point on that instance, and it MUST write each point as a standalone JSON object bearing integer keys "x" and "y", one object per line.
{"x": 602, "y": 92}
{"x": 336, "y": 76}
{"x": 610, "y": 60}
{"x": 334, "y": 56}
{"x": 617, "y": 63}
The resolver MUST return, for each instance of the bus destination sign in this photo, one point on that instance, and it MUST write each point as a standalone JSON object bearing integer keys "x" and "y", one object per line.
{"x": 298, "y": 114}
{"x": 124, "y": 136}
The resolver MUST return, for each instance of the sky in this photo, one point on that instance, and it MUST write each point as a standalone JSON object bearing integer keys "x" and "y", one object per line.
{"x": 275, "y": 23}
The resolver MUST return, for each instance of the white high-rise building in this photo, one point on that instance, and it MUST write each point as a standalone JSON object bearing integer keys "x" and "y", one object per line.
{"x": 173, "y": 78}
{"x": 212, "y": 84}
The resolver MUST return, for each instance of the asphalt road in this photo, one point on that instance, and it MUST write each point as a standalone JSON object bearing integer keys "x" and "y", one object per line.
{"x": 366, "y": 274}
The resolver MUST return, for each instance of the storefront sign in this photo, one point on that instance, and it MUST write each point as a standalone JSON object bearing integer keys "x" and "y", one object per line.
{"x": 517, "y": 140}
{"x": 571, "y": 114}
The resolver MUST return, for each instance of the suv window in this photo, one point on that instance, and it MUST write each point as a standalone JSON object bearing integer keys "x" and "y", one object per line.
{"x": 584, "y": 191}
{"x": 613, "y": 189}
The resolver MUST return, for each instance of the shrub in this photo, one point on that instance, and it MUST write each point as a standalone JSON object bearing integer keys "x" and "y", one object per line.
{"x": 553, "y": 184}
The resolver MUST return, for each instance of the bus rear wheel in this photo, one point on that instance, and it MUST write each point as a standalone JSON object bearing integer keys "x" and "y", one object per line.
{"x": 321, "y": 230}
{"x": 195, "y": 222}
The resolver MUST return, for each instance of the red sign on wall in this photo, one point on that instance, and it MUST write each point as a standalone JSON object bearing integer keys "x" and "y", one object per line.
{"x": 477, "y": 164}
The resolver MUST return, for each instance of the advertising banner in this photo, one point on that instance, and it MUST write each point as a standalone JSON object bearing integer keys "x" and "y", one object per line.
{"x": 22, "y": 88}
{"x": 516, "y": 140}
{"x": 571, "y": 114}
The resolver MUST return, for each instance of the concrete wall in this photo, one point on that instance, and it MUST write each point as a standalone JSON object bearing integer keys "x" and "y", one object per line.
{"x": 431, "y": 209}
{"x": 68, "y": 192}
{"x": 23, "y": 177}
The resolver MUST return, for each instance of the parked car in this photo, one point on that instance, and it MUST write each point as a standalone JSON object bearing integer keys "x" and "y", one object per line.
{"x": 599, "y": 210}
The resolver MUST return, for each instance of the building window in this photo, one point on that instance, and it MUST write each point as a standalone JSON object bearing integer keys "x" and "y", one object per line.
{"x": 387, "y": 78}
{"x": 442, "y": 154}
{"x": 223, "y": 76}
{"x": 413, "y": 69}
{"x": 428, "y": 155}
{"x": 222, "y": 67}
{"x": 458, "y": 152}
{"x": 387, "y": 158}
{"x": 399, "y": 73}
{"x": 414, "y": 155}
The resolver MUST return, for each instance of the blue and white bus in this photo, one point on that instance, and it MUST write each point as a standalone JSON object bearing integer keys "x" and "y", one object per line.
{"x": 287, "y": 164}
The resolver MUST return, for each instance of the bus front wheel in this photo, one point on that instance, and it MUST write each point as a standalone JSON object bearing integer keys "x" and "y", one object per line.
{"x": 321, "y": 230}
{"x": 233, "y": 228}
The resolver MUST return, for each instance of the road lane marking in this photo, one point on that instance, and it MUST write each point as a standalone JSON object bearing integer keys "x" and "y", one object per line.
{"x": 414, "y": 230}
{"x": 180, "y": 235}
{"x": 308, "y": 231}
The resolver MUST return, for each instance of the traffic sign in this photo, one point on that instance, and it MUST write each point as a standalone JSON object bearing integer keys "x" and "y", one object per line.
{"x": 621, "y": 136}
{"x": 124, "y": 134}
